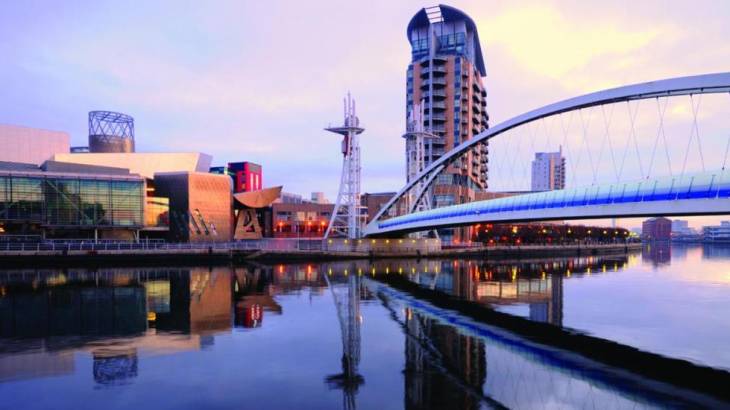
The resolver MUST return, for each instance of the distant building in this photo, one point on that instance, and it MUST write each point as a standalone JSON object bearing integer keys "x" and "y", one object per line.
{"x": 290, "y": 198}
{"x": 319, "y": 198}
{"x": 657, "y": 229}
{"x": 717, "y": 233}
{"x": 680, "y": 225}
{"x": 548, "y": 171}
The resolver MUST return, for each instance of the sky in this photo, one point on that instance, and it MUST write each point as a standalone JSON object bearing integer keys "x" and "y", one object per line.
{"x": 258, "y": 81}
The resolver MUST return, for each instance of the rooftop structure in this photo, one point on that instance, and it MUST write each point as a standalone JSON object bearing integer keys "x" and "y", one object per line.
{"x": 145, "y": 164}
{"x": 110, "y": 132}
{"x": 31, "y": 145}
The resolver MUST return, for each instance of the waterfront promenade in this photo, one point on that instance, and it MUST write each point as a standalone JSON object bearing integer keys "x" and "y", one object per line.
{"x": 286, "y": 249}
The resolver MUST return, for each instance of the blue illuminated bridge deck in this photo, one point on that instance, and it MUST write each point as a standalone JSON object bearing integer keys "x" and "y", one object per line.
{"x": 703, "y": 193}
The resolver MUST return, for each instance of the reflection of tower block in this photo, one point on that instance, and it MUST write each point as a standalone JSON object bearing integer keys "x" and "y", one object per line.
{"x": 348, "y": 216}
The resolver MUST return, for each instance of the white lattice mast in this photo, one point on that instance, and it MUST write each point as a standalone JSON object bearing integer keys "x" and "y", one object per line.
{"x": 416, "y": 137}
{"x": 348, "y": 217}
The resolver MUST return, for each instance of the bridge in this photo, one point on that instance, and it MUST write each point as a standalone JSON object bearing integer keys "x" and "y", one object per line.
{"x": 701, "y": 191}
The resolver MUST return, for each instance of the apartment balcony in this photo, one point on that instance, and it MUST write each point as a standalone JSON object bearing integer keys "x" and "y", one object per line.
{"x": 438, "y": 82}
{"x": 436, "y": 69}
{"x": 441, "y": 117}
{"x": 437, "y": 105}
{"x": 438, "y": 61}
{"x": 437, "y": 94}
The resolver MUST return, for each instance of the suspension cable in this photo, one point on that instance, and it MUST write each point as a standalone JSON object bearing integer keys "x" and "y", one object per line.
{"x": 584, "y": 124}
{"x": 697, "y": 131}
{"x": 606, "y": 137}
{"x": 565, "y": 141}
{"x": 632, "y": 136}
{"x": 661, "y": 110}
{"x": 694, "y": 128}
{"x": 727, "y": 147}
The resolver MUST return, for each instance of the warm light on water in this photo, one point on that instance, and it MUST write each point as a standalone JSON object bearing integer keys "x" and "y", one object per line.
{"x": 233, "y": 337}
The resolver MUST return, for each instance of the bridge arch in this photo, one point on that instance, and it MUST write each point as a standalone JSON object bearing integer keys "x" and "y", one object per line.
{"x": 690, "y": 85}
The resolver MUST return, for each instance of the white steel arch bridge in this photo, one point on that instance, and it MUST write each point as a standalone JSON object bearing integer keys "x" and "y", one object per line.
{"x": 703, "y": 192}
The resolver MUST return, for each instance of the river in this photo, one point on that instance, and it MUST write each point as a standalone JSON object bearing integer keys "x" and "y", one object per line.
{"x": 342, "y": 335}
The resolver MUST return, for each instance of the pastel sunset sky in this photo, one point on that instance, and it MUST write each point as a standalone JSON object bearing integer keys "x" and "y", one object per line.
{"x": 258, "y": 80}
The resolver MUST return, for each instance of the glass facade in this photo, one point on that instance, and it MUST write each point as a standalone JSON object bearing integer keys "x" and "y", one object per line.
{"x": 157, "y": 212}
{"x": 71, "y": 201}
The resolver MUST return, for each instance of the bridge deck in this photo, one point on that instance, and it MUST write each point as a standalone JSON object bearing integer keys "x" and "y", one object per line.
{"x": 667, "y": 196}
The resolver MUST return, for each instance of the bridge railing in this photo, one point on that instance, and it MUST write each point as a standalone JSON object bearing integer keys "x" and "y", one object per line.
{"x": 265, "y": 244}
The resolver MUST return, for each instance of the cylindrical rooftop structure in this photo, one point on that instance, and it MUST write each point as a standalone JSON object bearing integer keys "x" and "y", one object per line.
{"x": 110, "y": 132}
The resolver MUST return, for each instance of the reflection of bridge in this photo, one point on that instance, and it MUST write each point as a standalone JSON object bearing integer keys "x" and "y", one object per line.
{"x": 688, "y": 193}
{"x": 454, "y": 361}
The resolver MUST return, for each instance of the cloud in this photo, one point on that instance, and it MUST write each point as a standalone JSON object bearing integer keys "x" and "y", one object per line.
{"x": 246, "y": 80}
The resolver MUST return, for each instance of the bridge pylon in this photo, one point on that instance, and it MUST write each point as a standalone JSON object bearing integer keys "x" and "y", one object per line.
{"x": 348, "y": 216}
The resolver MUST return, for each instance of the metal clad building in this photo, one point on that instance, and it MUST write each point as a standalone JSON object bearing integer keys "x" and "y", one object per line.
{"x": 30, "y": 145}
{"x": 200, "y": 205}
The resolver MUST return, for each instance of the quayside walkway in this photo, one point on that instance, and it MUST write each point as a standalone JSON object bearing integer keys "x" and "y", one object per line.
{"x": 288, "y": 249}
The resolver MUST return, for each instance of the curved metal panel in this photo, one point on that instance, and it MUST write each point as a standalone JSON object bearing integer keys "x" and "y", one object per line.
{"x": 698, "y": 84}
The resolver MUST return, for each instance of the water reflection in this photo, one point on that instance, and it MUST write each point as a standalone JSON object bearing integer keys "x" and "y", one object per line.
{"x": 658, "y": 254}
{"x": 350, "y": 328}
{"x": 110, "y": 313}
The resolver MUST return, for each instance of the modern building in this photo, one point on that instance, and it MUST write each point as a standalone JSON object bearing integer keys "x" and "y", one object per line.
{"x": 548, "y": 171}
{"x": 31, "y": 145}
{"x": 717, "y": 233}
{"x": 246, "y": 176}
{"x": 63, "y": 201}
{"x": 46, "y": 192}
{"x": 656, "y": 229}
{"x": 201, "y": 207}
{"x": 445, "y": 76}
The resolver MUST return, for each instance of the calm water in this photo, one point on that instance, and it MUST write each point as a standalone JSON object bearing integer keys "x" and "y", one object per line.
{"x": 284, "y": 336}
